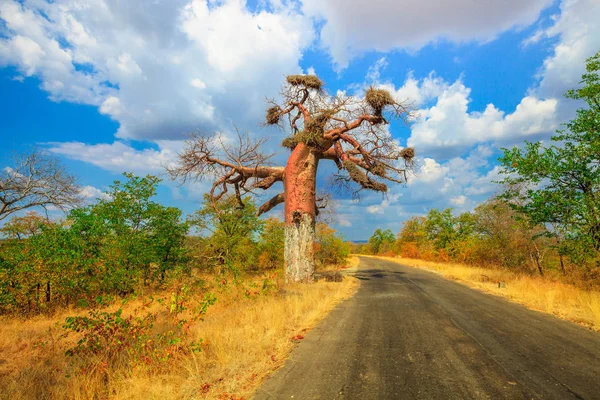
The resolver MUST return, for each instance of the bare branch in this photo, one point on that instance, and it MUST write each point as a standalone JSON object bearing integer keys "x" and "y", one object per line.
{"x": 270, "y": 204}
{"x": 37, "y": 179}
{"x": 238, "y": 164}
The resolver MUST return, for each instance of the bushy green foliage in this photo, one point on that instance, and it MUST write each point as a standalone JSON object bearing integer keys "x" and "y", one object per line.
{"x": 491, "y": 235}
{"x": 123, "y": 241}
{"x": 229, "y": 232}
{"x": 270, "y": 245}
{"x": 558, "y": 185}
{"x": 331, "y": 248}
{"x": 126, "y": 242}
{"x": 382, "y": 241}
{"x": 446, "y": 231}
{"x": 234, "y": 237}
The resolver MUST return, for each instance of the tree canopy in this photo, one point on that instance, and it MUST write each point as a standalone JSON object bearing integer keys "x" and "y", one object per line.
{"x": 559, "y": 184}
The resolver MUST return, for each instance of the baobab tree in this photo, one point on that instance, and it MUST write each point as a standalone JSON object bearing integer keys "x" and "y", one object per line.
{"x": 348, "y": 130}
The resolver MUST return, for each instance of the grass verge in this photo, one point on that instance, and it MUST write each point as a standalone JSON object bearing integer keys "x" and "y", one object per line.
{"x": 245, "y": 336}
{"x": 542, "y": 294}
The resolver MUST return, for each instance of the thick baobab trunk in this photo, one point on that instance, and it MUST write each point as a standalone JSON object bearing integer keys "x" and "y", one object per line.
{"x": 300, "y": 191}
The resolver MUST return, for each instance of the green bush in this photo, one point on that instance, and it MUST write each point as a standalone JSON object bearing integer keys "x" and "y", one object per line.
{"x": 121, "y": 242}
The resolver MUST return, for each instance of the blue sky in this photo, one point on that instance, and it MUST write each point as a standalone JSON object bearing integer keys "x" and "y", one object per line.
{"x": 114, "y": 86}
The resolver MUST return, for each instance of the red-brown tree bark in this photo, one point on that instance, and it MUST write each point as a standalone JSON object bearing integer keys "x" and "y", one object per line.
{"x": 299, "y": 188}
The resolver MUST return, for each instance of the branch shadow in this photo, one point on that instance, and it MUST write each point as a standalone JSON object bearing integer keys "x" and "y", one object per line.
{"x": 368, "y": 274}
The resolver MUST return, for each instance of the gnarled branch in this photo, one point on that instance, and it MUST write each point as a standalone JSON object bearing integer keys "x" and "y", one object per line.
{"x": 238, "y": 164}
{"x": 271, "y": 203}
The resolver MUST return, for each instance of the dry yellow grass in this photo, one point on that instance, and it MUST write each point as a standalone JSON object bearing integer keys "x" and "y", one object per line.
{"x": 552, "y": 297}
{"x": 353, "y": 261}
{"x": 245, "y": 339}
{"x": 351, "y": 264}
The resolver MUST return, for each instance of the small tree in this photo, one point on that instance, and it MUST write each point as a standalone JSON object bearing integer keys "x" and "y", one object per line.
{"x": 23, "y": 227}
{"x": 36, "y": 179}
{"x": 440, "y": 228}
{"x": 559, "y": 184}
{"x": 331, "y": 247}
{"x": 412, "y": 238}
{"x": 347, "y": 130}
{"x": 505, "y": 238}
{"x": 270, "y": 246}
{"x": 381, "y": 241}
{"x": 231, "y": 229}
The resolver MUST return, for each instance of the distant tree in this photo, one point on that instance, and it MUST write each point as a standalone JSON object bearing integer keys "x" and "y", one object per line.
{"x": 559, "y": 183}
{"x": 347, "y": 130}
{"x": 439, "y": 226}
{"x": 448, "y": 232}
{"x": 21, "y": 227}
{"x": 381, "y": 241}
{"x": 412, "y": 238}
{"x": 36, "y": 179}
{"x": 506, "y": 239}
{"x": 413, "y": 230}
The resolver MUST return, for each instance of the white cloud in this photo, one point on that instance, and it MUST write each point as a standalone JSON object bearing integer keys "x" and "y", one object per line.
{"x": 416, "y": 92}
{"x": 142, "y": 63}
{"x": 374, "y": 72}
{"x": 111, "y": 106}
{"x": 485, "y": 184}
{"x": 430, "y": 171}
{"x": 375, "y": 209}
{"x": 458, "y": 201}
{"x": 578, "y": 33}
{"x": 127, "y": 65}
{"x": 344, "y": 220}
{"x": 91, "y": 193}
{"x": 119, "y": 157}
{"x": 198, "y": 83}
{"x": 352, "y": 26}
{"x": 449, "y": 128}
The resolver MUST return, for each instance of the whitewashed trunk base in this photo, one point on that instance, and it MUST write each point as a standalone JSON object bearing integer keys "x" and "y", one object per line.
{"x": 299, "y": 249}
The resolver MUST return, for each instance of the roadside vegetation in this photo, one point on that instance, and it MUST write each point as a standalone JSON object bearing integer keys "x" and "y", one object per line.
{"x": 126, "y": 298}
{"x": 539, "y": 237}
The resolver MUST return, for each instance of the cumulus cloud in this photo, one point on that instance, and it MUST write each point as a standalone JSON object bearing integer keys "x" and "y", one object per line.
{"x": 120, "y": 157}
{"x": 578, "y": 33}
{"x": 91, "y": 193}
{"x": 458, "y": 201}
{"x": 161, "y": 69}
{"x": 352, "y": 26}
{"x": 449, "y": 128}
{"x": 445, "y": 126}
